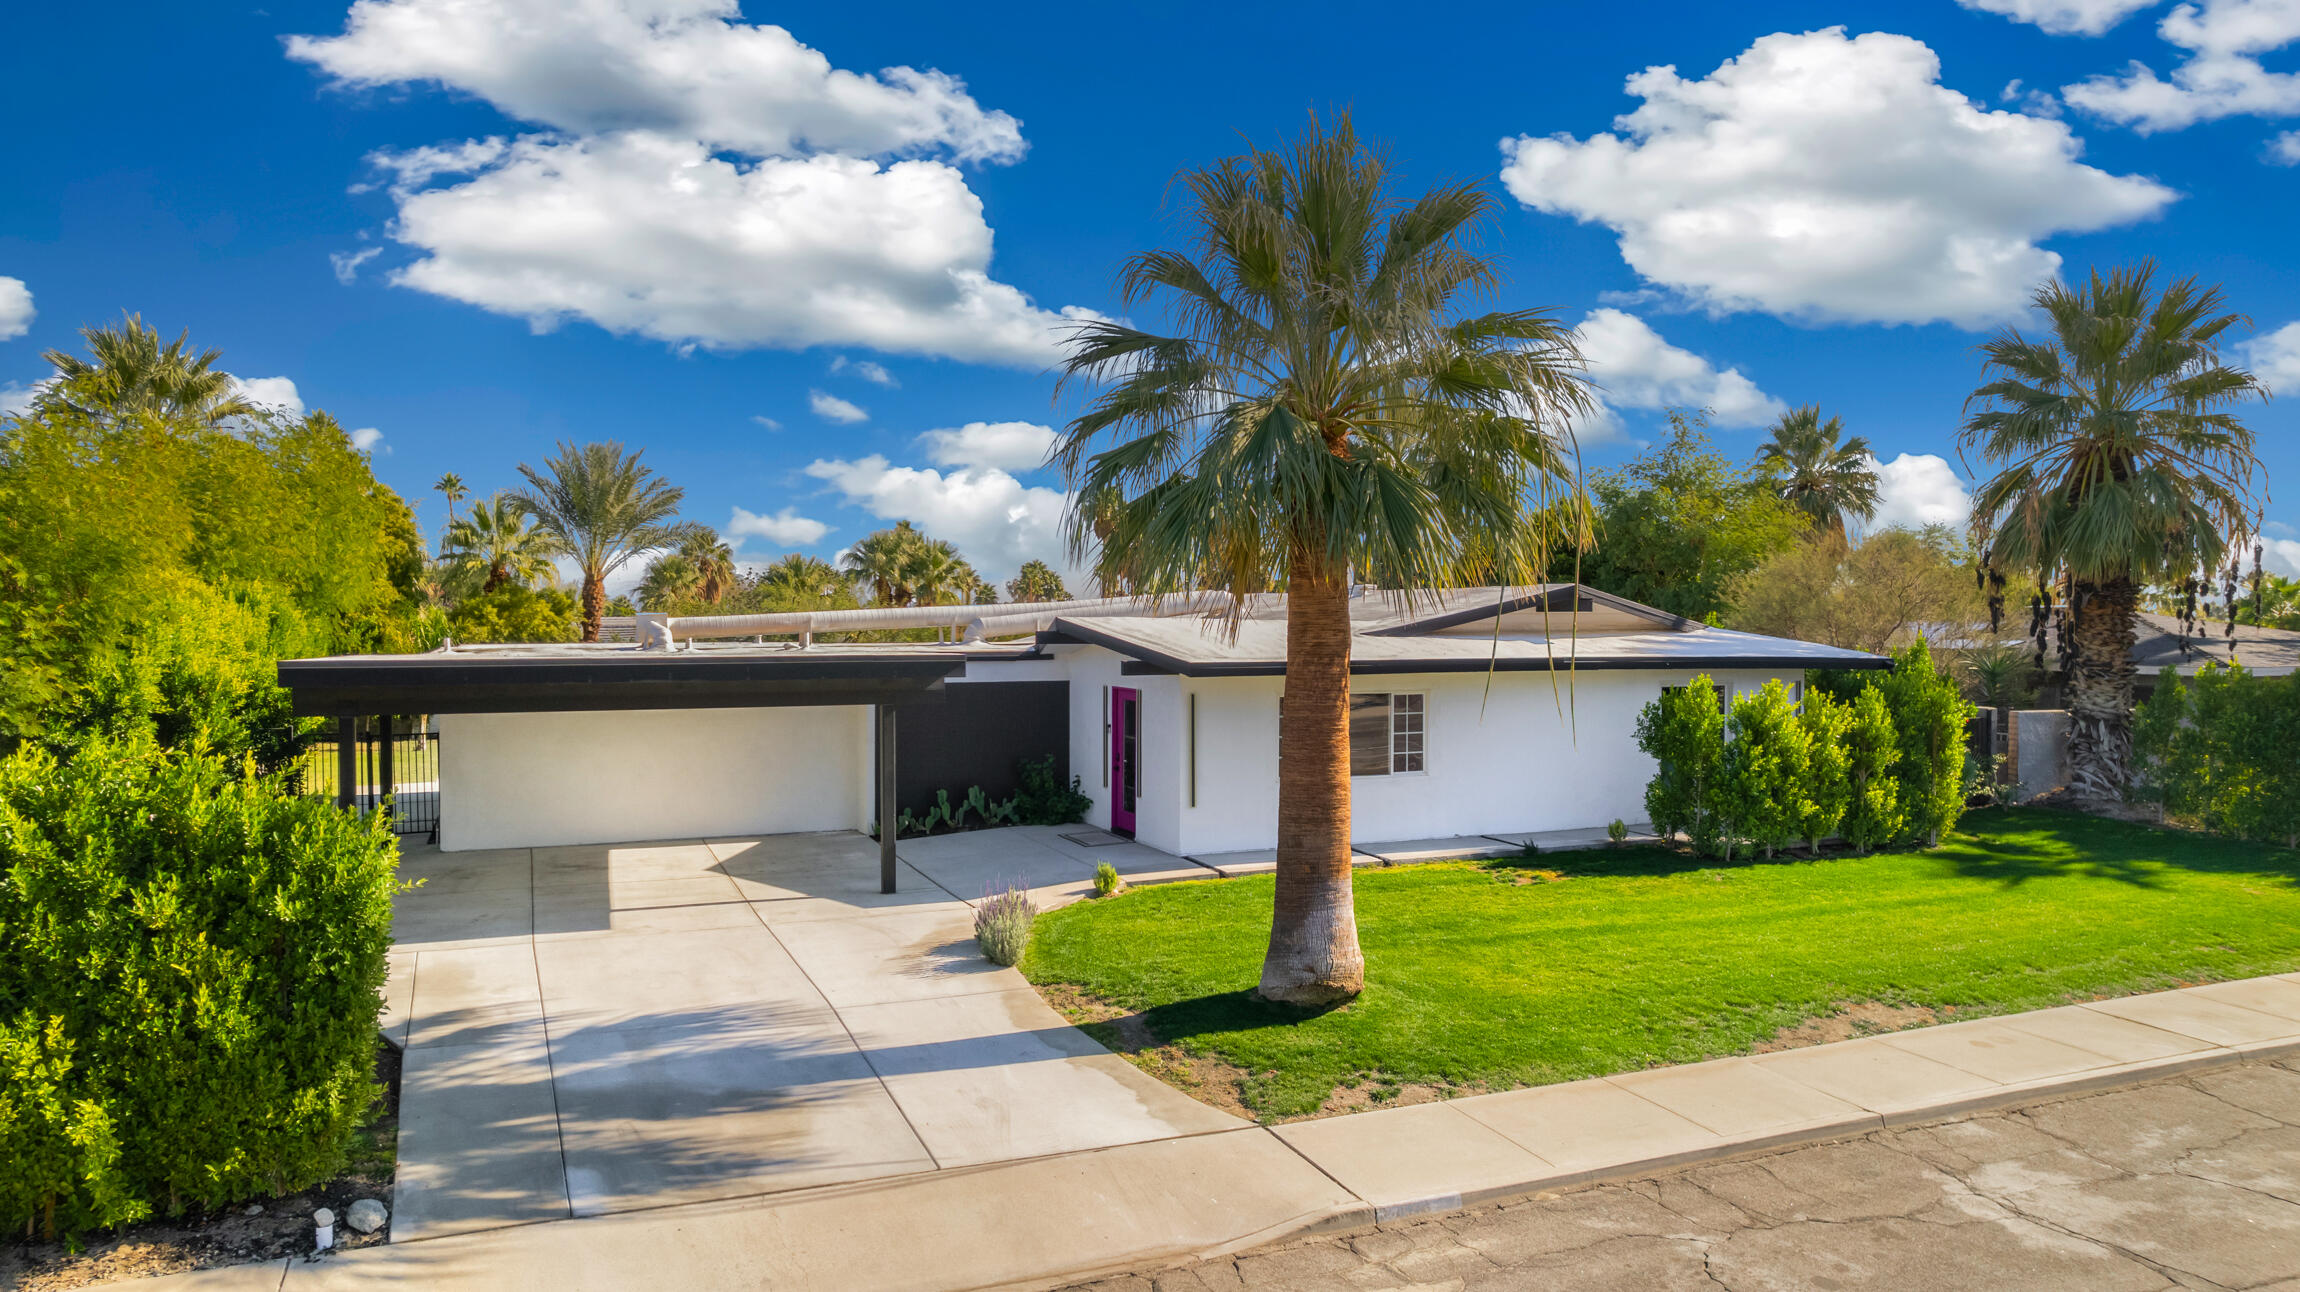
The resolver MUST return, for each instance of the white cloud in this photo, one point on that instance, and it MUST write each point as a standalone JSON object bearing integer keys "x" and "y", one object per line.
{"x": 366, "y": 438}
{"x": 655, "y": 235}
{"x": 2219, "y": 76}
{"x": 2274, "y": 357}
{"x": 685, "y": 67}
{"x": 2284, "y": 149}
{"x": 1829, "y": 178}
{"x": 1008, "y": 446}
{"x": 876, "y": 374}
{"x": 831, "y": 408}
{"x": 16, "y": 400}
{"x": 271, "y": 392}
{"x": 1919, "y": 489}
{"x": 767, "y": 422}
{"x": 994, "y": 520}
{"x": 786, "y": 528}
{"x": 346, "y": 263}
{"x": 15, "y": 308}
{"x": 2281, "y": 556}
{"x": 2064, "y": 17}
{"x": 1634, "y": 368}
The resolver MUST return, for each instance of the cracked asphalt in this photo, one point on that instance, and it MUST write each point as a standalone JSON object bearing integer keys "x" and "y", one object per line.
{"x": 2191, "y": 1182}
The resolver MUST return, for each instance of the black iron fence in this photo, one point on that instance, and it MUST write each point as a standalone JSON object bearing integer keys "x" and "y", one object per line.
{"x": 403, "y": 772}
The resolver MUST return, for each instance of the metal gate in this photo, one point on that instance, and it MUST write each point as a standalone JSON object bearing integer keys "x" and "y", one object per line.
{"x": 404, "y": 773}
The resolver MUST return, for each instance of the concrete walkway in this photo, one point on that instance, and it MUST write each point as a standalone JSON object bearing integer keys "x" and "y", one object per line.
{"x": 592, "y": 1030}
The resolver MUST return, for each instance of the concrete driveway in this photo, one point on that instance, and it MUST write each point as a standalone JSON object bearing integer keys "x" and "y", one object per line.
{"x": 607, "y": 1028}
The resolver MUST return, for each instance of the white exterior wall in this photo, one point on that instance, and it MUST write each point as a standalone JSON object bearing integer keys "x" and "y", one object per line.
{"x": 1157, "y": 815}
{"x": 511, "y": 780}
{"x": 1498, "y": 763}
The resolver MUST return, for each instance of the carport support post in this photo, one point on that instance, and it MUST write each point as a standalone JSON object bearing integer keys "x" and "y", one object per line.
{"x": 887, "y": 811}
{"x": 385, "y": 782}
{"x": 346, "y": 761}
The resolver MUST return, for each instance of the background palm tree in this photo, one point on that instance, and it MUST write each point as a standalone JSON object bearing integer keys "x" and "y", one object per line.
{"x": 449, "y": 486}
{"x": 670, "y": 578}
{"x": 2118, "y": 465}
{"x": 802, "y": 577}
{"x": 1830, "y": 482}
{"x": 605, "y": 507}
{"x": 882, "y": 560}
{"x": 1320, "y": 406}
{"x": 938, "y": 575}
{"x": 1036, "y": 581}
{"x": 129, "y": 373}
{"x": 497, "y": 544}
{"x": 714, "y": 564}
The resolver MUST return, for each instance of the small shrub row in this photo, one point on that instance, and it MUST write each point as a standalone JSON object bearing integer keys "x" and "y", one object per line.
{"x": 1885, "y": 765}
{"x": 2222, "y": 754}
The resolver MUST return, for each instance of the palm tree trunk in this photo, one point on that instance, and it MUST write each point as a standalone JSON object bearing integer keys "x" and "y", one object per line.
{"x": 594, "y": 603}
{"x": 1313, "y": 957}
{"x": 2100, "y": 695}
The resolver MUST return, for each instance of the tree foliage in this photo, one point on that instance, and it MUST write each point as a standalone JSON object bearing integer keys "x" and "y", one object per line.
{"x": 1678, "y": 526}
{"x": 1684, "y": 733}
{"x": 2223, "y": 753}
{"x": 1763, "y": 790}
{"x": 604, "y": 506}
{"x": 1871, "y": 596}
{"x": 1036, "y": 581}
{"x": 1832, "y": 483}
{"x": 1929, "y": 717}
{"x": 1873, "y": 813}
{"x": 1828, "y": 789}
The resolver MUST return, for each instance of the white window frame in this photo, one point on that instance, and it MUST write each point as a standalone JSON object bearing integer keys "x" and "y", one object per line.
{"x": 1414, "y": 706}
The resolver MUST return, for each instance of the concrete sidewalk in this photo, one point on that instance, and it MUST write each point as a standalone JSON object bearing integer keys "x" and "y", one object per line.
{"x": 1074, "y": 1216}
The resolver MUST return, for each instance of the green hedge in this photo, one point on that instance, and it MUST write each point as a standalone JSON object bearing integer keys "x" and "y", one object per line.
{"x": 190, "y": 991}
{"x": 2223, "y": 754}
{"x": 1887, "y": 767}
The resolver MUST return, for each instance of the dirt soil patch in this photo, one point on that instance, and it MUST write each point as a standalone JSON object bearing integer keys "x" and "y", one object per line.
{"x": 1127, "y": 1034}
{"x": 1852, "y": 1018}
{"x": 263, "y": 1229}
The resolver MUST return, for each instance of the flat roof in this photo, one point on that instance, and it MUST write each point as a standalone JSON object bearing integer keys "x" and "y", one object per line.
{"x": 1201, "y": 648}
{"x": 573, "y": 676}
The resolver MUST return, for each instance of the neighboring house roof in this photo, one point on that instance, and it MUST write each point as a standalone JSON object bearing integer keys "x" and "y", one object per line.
{"x": 1553, "y": 627}
{"x": 2269, "y": 651}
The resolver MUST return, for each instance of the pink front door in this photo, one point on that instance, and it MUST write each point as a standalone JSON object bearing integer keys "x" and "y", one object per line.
{"x": 1125, "y": 756}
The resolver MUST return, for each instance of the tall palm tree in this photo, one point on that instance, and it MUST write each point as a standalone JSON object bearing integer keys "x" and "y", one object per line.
{"x": 882, "y": 562}
{"x": 1321, "y": 406}
{"x": 497, "y": 544}
{"x": 606, "y": 507}
{"x": 129, "y": 373}
{"x": 714, "y": 564}
{"x": 1827, "y": 480}
{"x": 2118, "y": 466}
{"x": 450, "y": 486}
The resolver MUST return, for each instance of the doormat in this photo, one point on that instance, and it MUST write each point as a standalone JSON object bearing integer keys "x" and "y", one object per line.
{"x": 1095, "y": 839}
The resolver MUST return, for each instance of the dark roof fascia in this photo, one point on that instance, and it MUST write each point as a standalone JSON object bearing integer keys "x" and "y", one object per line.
{"x": 1561, "y": 664}
{"x": 444, "y": 683}
{"x": 1553, "y": 599}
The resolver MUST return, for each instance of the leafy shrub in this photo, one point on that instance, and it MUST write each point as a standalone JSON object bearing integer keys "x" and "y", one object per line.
{"x": 189, "y": 997}
{"x": 1872, "y": 750}
{"x": 1043, "y": 799}
{"x": 1106, "y": 879}
{"x": 1002, "y": 924}
{"x": 514, "y": 613}
{"x": 1929, "y": 716}
{"x": 1761, "y": 781}
{"x": 1828, "y": 783}
{"x": 1616, "y": 831}
{"x": 1685, "y": 734}
{"x": 2224, "y": 753}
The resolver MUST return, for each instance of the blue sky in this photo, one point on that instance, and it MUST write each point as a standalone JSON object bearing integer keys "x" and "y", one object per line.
{"x": 476, "y": 228}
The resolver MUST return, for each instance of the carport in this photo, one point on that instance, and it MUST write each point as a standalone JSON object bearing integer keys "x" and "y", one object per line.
{"x": 681, "y": 735}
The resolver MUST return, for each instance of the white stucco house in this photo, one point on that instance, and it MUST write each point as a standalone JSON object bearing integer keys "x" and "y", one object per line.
{"x": 1474, "y": 711}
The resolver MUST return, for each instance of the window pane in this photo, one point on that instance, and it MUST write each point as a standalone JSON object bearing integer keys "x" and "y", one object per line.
{"x": 1370, "y": 735}
{"x": 1406, "y": 720}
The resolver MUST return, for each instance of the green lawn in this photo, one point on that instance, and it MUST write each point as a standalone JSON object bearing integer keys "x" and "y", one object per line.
{"x": 1613, "y": 961}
